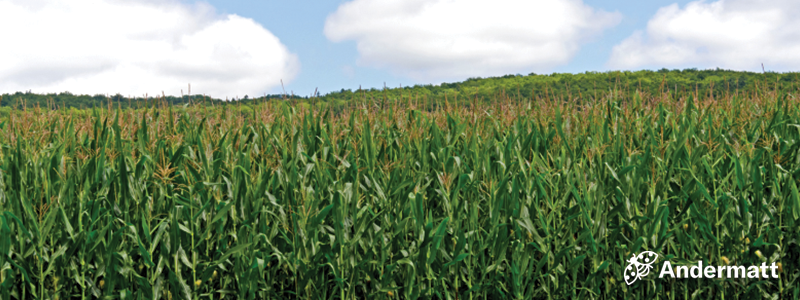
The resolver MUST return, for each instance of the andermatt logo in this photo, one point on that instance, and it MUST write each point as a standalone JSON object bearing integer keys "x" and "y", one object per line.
{"x": 639, "y": 266}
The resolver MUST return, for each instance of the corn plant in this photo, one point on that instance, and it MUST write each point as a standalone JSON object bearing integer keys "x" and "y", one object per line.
{"x": 540, "y": 198}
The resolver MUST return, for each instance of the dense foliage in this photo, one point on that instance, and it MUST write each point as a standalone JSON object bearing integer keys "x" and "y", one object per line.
{"x": 510, "y": 198}
{"x": 679, "y": 83}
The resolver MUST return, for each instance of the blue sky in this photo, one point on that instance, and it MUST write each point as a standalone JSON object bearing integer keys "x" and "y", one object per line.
{"x": 230, "y": 48}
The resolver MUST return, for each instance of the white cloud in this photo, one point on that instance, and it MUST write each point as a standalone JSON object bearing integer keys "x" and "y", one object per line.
{"x": 444, "y": 39}
{"x": 136, "y": 47}
{"x": 730, "y": 34}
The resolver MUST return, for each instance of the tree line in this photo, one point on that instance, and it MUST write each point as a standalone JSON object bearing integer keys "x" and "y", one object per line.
{"x": 556, "y": 86}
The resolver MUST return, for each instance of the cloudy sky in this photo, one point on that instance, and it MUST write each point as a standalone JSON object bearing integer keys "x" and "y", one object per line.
{"x": 232, "y": 48}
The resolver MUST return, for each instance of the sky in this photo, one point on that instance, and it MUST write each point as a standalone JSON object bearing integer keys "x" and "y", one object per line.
{"x": 232, "y": 48}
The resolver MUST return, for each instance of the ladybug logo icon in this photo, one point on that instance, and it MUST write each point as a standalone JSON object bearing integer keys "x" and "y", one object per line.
{"x": 639, "y": 266}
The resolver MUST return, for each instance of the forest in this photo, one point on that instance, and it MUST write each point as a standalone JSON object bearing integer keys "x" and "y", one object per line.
{"x": 675, "y": 83}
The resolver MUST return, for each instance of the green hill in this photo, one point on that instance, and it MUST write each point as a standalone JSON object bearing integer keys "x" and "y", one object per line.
{"x": 563, "y": 86}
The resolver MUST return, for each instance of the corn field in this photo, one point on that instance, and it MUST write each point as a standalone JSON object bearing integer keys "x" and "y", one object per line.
{"x": 505, "y": 199}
